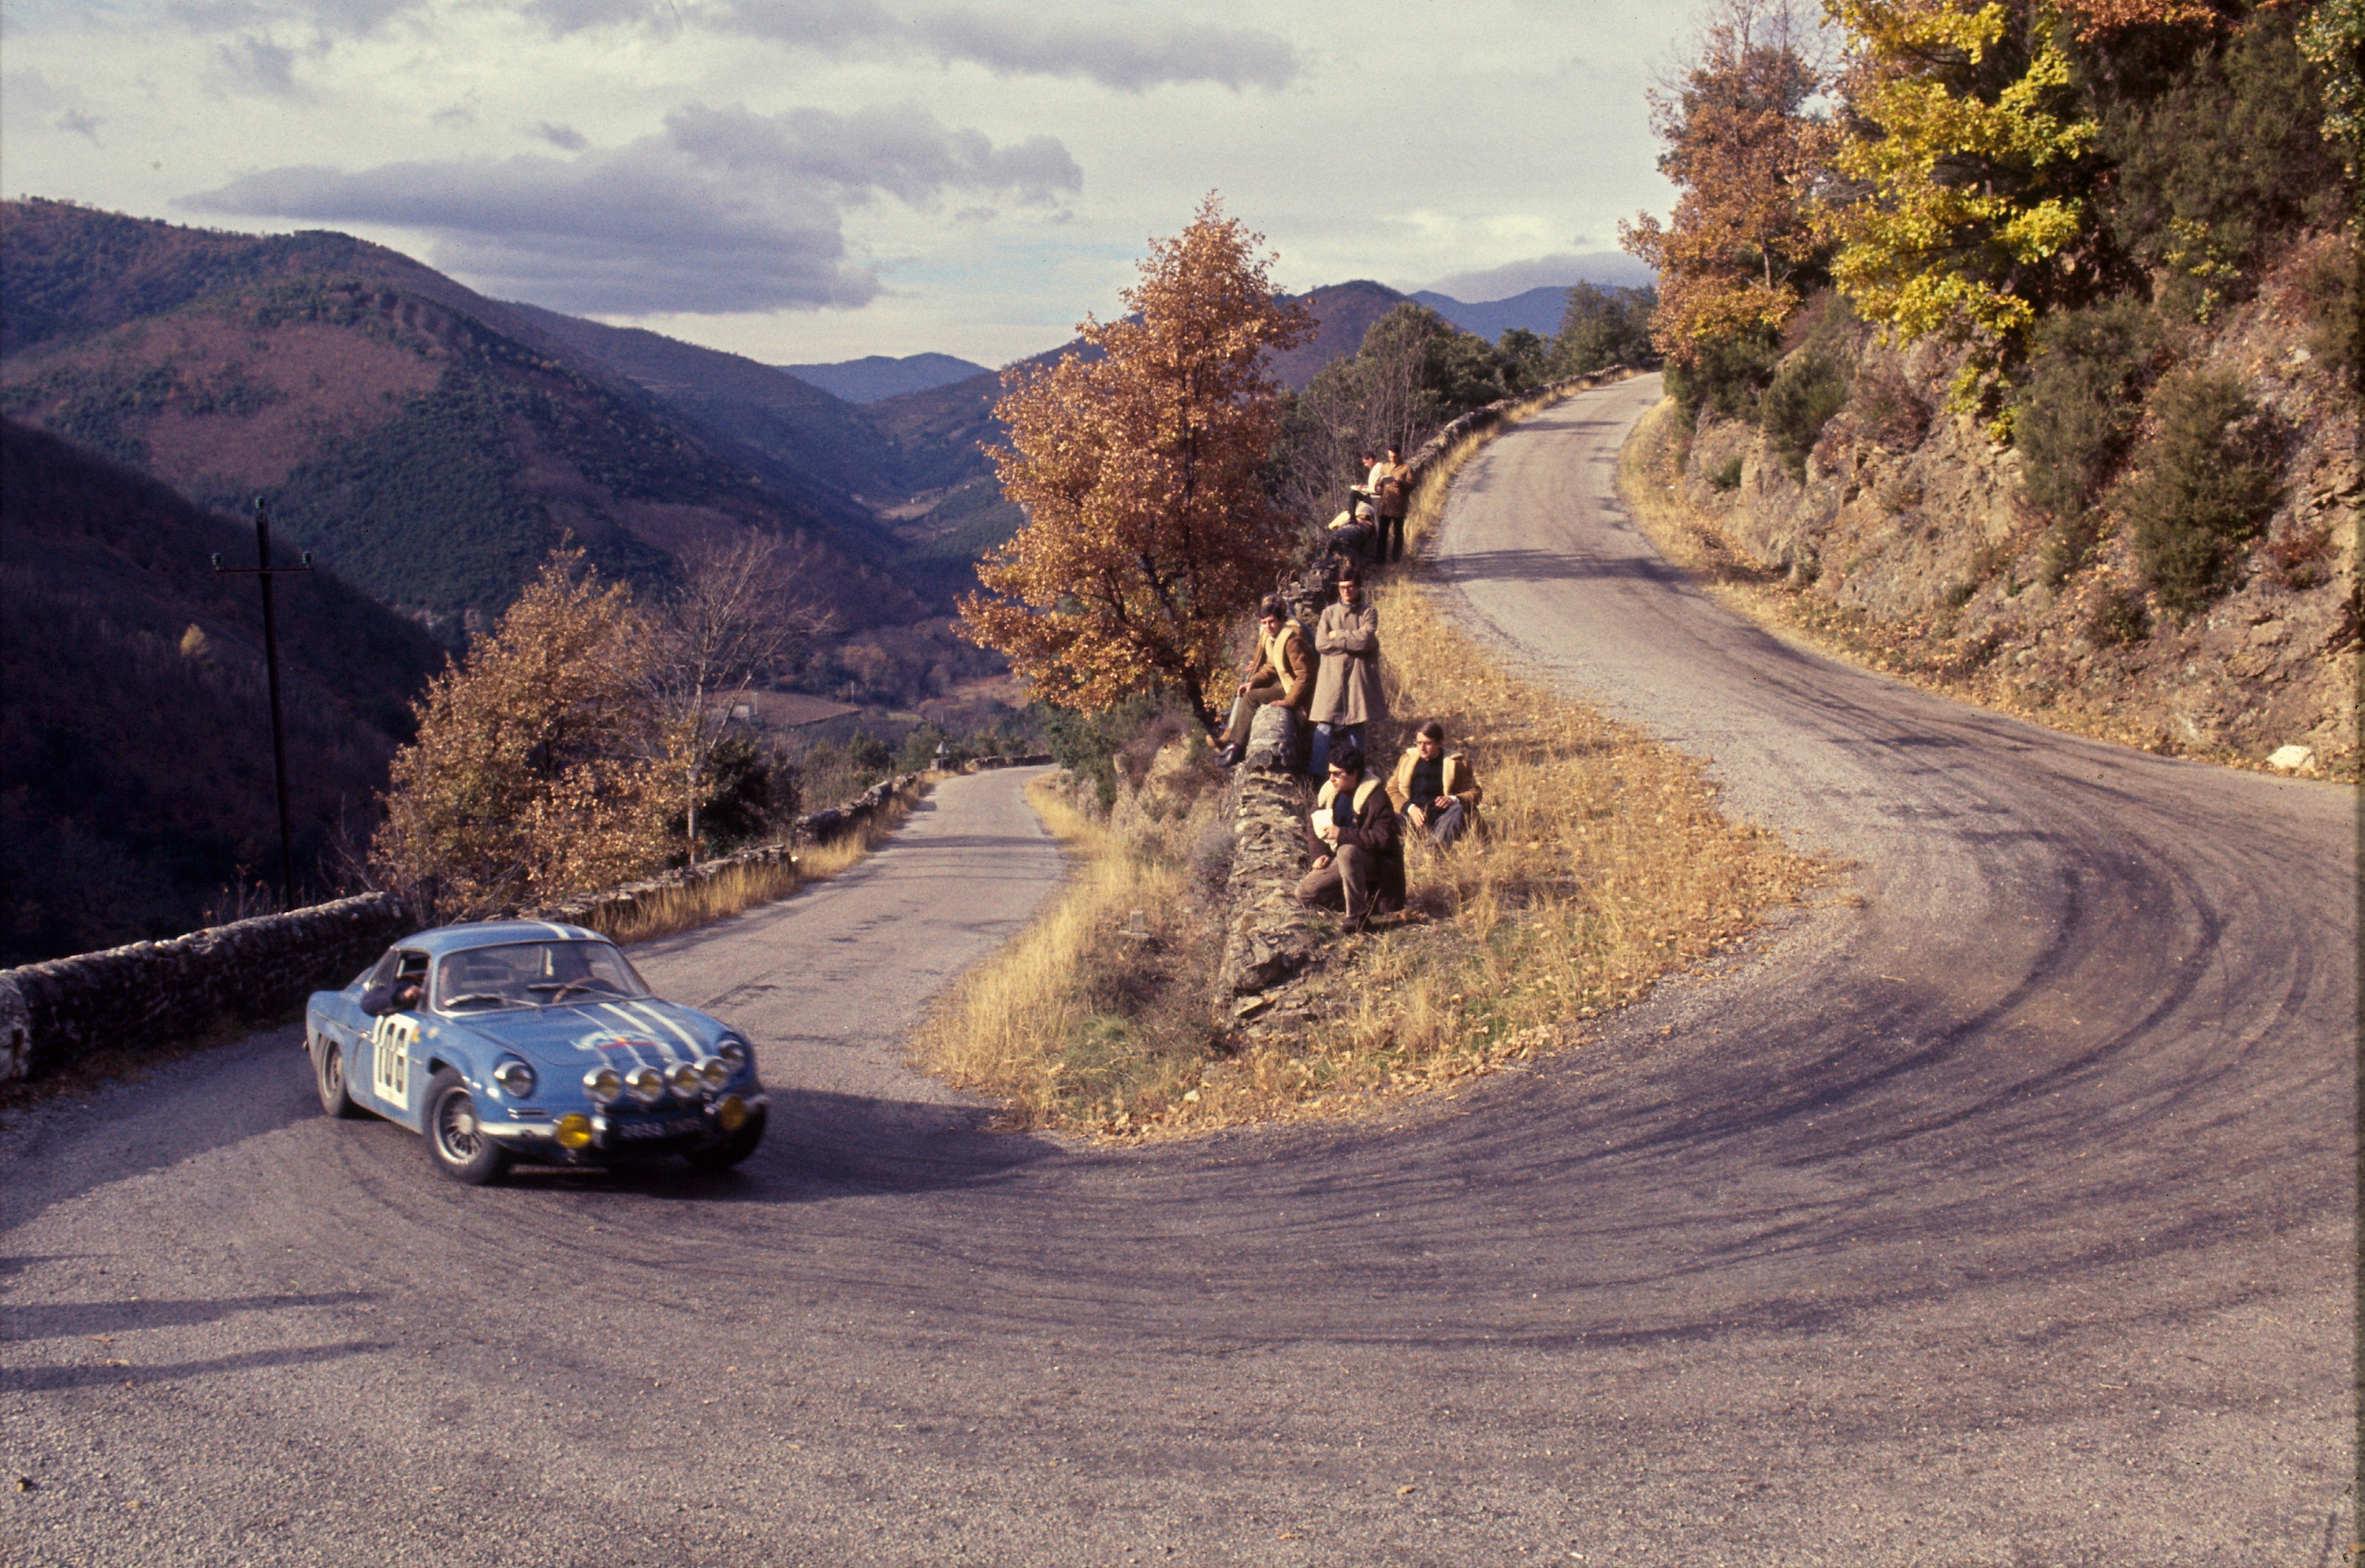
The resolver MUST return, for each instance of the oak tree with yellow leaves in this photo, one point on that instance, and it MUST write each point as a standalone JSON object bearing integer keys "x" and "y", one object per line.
{"x": 1138, "y": 461}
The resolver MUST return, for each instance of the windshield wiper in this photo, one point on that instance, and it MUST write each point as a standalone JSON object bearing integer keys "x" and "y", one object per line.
{"x": 475, "y": 996}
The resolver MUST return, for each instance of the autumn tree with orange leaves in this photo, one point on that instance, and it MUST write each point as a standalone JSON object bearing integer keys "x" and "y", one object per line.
{"x": 1745, "y": 151}
{"x": 1150, "y": 535}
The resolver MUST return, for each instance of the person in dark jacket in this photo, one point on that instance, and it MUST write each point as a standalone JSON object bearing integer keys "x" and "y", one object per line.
{"x": 1358, "y": 849}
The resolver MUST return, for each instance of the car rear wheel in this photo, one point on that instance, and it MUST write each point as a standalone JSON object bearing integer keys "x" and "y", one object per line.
{"x": 454, "y": 1146}
{"x": 329, "y": 1077}
{"x": 730, "y": 1149}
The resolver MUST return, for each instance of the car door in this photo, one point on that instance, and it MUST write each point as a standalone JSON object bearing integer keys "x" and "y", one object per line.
{"x": 392, "y": 1082}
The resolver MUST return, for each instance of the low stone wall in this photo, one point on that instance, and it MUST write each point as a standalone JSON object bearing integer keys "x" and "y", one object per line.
{"x": 152, "y": 992}
{"x": 1272, "y": 944}
{"x": 158, "y": 992}
{"x": 820, "y": 827}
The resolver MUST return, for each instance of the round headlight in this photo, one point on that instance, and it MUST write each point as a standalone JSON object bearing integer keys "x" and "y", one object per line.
{"x": 515, "y": 1078}
{"x": 604, "y": 1084}
{"x": 734, "y": 1052}
{"x": 716, "y": 1071}
{"x": 731, "y": 1114}
{"x": 574, "y": 1130}
{"x": 685, "y": 1079}
{"x": 647, "y": 1083}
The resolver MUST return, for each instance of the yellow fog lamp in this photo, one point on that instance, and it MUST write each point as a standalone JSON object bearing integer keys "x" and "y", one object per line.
{"x": 731, "y": 1114}
{"x": 574, "y": 1130}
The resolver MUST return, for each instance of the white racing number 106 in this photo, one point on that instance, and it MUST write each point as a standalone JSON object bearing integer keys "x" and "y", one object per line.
{"x": 390, "y": 1060}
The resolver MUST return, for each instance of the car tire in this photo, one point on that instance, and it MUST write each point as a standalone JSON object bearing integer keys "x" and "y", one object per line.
{"x": 730, "y": 1149}
{"x": 329, "y": 1078}
{"x": 454, "y": 1147}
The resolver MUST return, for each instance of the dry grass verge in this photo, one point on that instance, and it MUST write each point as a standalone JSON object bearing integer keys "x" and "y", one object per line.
{"x": 1606, "y": 866}
{"x": 1097, "y": 1015}
{"x": 687, "y": 906}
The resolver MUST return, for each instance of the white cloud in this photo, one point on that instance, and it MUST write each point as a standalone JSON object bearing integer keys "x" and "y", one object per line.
{"x": 1515, "y": 125}
{"x": 1126, "y": 54}
{"x": 725, "y": 212}
{"x": 256, "y": 66}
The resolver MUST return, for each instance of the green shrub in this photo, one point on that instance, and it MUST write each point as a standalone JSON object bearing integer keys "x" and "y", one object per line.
{"x": 2119, "y": 616}
{"x": 2202, "y": 489}
{"x": 1727, "y": 477}
{"x": 1725, "y": 376}
{"x": 2224, "y": 156}
{"x": 2330, "y": 288}
{"x": 1806, "y": 391}
{"x": 2073, "y": 415}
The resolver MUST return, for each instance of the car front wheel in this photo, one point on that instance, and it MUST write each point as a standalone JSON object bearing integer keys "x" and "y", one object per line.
{"x": 454, "y": 1146}
{"x": 329, "y": 1077}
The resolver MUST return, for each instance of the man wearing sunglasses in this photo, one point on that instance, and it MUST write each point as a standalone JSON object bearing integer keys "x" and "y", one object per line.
{"x": 1358, "y": 850}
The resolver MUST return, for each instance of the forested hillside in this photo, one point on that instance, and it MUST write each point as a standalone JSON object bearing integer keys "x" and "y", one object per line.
{"x": 430, "y": 445}
{"x": 135, "y": 737}
{"x": 2021, "y": 341}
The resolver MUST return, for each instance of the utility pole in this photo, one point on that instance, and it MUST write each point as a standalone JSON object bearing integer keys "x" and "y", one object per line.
{"x": 264, "y": 571}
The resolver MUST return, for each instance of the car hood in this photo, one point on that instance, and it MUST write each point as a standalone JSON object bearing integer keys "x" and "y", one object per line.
{"x": 643, "y": 1031}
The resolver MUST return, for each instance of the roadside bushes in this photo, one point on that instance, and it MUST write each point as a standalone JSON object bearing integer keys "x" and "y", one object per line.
{"x": 2074, "y": 414}
{"x": 1806, "y": 392}
{"x": 2204, "y": 489}
{"x": 1725, "y": 376}
{"x": 2227, "y": 157}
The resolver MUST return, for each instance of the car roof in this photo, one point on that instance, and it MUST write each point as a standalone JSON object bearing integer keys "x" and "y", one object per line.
{"x": 445, "y": 939}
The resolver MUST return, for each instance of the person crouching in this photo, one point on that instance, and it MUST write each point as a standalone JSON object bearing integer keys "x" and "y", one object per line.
{"x": 1358, "y": 851}
{"x": 1434, "y": 789}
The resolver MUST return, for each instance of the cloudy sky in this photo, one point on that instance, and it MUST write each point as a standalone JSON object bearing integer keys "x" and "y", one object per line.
{"x": 811, "y": 180}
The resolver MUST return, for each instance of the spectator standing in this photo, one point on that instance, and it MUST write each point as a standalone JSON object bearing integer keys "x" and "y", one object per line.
{"x": 1434, "y": 789}
{"x": 1357, "y": 851}
{"x": 1347, "y": 694}
{"x": 1284, "y": 673}
{"x": 1392, "y": 492}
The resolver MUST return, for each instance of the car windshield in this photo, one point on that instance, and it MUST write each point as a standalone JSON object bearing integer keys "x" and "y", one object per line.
{"x": 532, "y": 974}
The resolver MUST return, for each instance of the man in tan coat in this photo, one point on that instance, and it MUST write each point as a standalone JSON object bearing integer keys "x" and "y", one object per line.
{"x": 1434, "y": 789}
{"x": 1347, "y": 693}
{"x": 1284, "y": 673}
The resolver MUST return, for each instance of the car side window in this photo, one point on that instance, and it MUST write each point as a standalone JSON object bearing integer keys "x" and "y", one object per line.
{"x": 398, "y": 984}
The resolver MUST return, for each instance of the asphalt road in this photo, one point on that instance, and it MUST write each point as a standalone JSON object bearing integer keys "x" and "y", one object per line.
{"x": 2003, "y": 1214}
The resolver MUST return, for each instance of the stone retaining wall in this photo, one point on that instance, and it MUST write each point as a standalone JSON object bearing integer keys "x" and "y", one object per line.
{"x": 153, "y": 994}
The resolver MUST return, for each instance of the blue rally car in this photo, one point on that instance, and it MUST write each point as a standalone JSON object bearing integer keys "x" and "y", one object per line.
{"x": 523, "y": 1040}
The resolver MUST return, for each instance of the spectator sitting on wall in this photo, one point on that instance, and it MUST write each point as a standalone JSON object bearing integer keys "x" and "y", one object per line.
{"x": 1347, "y": 694}
{"x": 1358, "y": 853}
{"x": 1284, "y": 673}
{"x": 1351, "y": 533}
{"x": 1435, "y": 790}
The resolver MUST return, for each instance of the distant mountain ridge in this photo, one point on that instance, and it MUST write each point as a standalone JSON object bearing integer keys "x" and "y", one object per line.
{"x": 876, "y": 377}
{"x": 1539, "y": 311}
{"x": 430, "y": 444}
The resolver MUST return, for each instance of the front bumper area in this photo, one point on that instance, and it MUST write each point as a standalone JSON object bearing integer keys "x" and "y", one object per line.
{"x": 623, "y": 1136}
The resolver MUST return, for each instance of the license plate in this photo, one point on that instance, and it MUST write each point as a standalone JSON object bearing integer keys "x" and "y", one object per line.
{"x": 677, "y": 1128}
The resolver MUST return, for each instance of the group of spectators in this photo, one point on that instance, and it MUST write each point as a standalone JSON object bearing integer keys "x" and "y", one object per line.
{"x": 1372, "y": 525}
{"x": 1358, "y": 828}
